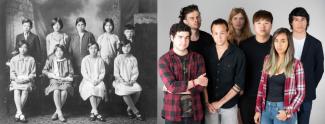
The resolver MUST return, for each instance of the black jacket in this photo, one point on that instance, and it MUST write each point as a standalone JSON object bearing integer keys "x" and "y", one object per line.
{"x": 312, "y": 59}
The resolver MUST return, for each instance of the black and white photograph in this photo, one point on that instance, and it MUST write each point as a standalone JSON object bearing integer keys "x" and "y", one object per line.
{"x": 78, "y": 61}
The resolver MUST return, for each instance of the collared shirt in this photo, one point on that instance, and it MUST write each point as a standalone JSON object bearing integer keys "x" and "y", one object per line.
{"x": 171, "y": 73}
{"x": 294, "y": 89}
{"x": 26, "y": 35}
{"x": 81, "y": 34}
{"x": 224, "y": 73}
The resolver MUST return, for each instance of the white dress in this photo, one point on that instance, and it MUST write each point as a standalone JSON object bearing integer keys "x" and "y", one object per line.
{"x": 92, "y": 69}
{"x": 126, "y": 72}
{"x": 22, "y": 68}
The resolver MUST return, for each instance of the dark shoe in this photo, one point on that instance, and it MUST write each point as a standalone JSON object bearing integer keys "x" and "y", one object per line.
{"x": 139, "y": 117}
{"x": 130, "y": 114}
{"x": 100, "y": 118}
{"x": 92, "y": 117}
{"x": 62, "y": 119}
{"x": 22, "y": 118}
{"x": 54, "y": 116}
{"x": 16, "y": 119}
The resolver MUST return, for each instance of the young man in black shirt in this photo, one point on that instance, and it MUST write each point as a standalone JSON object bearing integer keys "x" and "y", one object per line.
{"x": 226, "y": 72}
{"x": 255, "y": 49}
{"x": 190, "y": 15}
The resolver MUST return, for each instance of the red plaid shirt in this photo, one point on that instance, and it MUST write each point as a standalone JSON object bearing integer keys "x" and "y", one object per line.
{"x": 171, "y": 73}
{"x": 294, "y": 89}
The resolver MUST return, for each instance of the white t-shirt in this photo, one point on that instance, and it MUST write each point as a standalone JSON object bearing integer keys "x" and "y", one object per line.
{"x": 298, "y": 45}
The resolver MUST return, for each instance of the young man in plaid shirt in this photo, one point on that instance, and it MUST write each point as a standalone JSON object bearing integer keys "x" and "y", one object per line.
{"x": 183, "y": 74}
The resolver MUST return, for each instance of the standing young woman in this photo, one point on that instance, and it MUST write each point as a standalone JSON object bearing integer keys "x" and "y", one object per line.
{"x": 56, "y": 37}
{"x": 282, "y": 85}
{"x": 79, "y": 40}
{"x": 108, "y": 48}
{"x": 238, "y": 26}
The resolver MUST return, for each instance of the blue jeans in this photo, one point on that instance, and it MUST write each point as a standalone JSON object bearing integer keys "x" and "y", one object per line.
{"x": 271, "y": 111}
{"x": 304, "y": 113}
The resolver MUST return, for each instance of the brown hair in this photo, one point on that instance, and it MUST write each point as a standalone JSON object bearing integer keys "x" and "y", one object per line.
{"x": 186, "y": 10}
{"x": 245, "y": 31}
{"x": 270, "y": 66}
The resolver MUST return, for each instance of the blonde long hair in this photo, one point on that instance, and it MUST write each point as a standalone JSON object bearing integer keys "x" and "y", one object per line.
{"x": 270, "y": 65}
{"x": 245, "y": 31}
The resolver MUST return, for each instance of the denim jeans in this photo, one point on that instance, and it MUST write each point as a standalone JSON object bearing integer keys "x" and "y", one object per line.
{"x": 271, "y": 111}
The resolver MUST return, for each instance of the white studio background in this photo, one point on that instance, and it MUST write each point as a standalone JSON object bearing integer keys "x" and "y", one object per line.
{"x": 168, "y": 11}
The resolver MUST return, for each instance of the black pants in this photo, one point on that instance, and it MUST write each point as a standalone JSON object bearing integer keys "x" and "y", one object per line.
{"x": 184, "y": 121}
{"x": 304, "y": 113}
{"x": 247, "y": 109}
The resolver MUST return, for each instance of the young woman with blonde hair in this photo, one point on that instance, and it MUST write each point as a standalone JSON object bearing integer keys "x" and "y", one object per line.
{"x": 282, "y": 85}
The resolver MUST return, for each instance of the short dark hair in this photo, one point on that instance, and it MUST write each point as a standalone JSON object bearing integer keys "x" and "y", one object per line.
{"x": 128, "y": 27}
{"x": 219, "y": 21}
{"x": 57, "y": 20}
{"x": 177, "y": 27}
{"x": 188, "y": 9}
{"x": 63, "y": 48}
{"x": 26, "y": 20}
{"x": 298, "y": 11}
{"x": 123, "y": 41}
{"x": 21, "y": 43}
{"x": 108, "y": 20}
{"x": 80, "y": 19}
{"x": 93, "y": 43}
{"x": 262, "y": 14}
